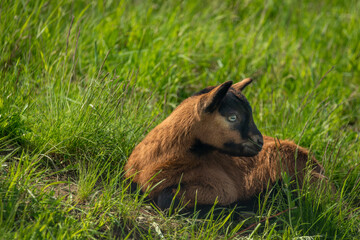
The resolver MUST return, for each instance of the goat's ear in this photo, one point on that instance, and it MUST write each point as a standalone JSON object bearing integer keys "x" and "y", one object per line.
{"x": 242, "y": 84}
{"x": 215, "y": 96}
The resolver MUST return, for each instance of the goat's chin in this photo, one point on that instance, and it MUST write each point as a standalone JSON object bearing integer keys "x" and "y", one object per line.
{"x": 242, "y": 150}
{"x": 248, "y": 152}
{"x": 245, "y": 152}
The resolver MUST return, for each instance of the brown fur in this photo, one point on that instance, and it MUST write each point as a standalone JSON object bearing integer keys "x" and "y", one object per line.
{"x": 163, "y": 158}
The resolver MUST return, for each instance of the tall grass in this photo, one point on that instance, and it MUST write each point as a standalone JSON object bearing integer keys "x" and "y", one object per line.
{"x": 82, "y": 82}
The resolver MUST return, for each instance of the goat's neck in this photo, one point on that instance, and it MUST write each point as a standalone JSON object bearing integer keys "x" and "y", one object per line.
{"x": 175, "y": 134}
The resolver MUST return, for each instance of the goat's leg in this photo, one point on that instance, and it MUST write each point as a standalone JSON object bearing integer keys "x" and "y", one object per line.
{"x": 167, "y": 197}
{"x": 208, "y": 193}
{"x": 200, "y": 189}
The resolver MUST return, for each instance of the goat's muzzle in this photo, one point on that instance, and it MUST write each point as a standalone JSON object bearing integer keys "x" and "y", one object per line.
{"x": 249, "y": 148}
{"x": 253, "y": 146}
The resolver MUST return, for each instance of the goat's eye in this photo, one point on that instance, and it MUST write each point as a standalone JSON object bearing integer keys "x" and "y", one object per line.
{"x": 232, "y": 118}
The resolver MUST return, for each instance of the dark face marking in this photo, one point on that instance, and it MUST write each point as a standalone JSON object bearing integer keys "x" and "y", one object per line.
{"x": 236, "y": 104}
{"x": 230, "y": 148}
{"x": 199, "y": 148}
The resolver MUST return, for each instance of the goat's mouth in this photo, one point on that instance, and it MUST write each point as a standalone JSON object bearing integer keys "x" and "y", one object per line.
{"x": 247, "y": 149}
{"x": 252, "y": 148}
{"x": 251, "y": 151}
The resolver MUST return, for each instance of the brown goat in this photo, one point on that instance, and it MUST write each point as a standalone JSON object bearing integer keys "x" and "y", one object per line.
{"x": 211, "y": 148}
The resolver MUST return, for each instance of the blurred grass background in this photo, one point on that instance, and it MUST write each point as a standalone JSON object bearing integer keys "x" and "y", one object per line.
{"x": 82, "y": 82}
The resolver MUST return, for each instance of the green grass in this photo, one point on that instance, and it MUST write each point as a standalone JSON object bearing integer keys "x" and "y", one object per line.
{"x": 82, "y": 82}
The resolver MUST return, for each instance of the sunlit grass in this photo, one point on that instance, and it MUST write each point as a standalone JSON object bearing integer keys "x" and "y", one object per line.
{"x": 82, "y": 82}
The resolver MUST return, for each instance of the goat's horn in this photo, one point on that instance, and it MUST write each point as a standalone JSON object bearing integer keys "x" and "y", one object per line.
{"x": 242, "y": 84}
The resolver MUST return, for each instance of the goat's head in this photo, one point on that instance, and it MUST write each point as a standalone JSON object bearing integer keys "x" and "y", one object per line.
{"x": 226, "y": 122}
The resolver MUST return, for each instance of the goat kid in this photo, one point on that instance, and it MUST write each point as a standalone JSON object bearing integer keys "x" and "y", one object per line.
{"x": 211, "y": 146}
